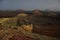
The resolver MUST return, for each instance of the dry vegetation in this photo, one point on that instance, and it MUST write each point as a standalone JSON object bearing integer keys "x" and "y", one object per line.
{"x": 24, "y": 27}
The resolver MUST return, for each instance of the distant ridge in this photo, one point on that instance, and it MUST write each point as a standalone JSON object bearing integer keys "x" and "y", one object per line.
{"x": 12, "y": 13}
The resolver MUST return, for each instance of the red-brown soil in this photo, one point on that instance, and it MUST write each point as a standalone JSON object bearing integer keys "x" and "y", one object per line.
{"x": 49, "y": 30}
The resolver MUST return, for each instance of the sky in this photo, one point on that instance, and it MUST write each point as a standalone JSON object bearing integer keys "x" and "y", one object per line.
{"x": 30, "y": 4}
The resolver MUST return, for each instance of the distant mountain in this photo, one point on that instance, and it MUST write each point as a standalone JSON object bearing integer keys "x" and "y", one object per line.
{"x": 55, "y": 9}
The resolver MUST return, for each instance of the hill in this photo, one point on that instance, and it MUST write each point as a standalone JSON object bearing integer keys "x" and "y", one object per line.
{"x": 39, "y": 25}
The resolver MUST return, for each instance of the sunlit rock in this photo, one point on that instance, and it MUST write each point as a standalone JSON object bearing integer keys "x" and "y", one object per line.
{"x": 28, "y": 28}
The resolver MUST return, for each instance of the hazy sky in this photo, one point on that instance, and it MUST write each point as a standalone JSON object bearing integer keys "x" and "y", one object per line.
{"x": 29, "y": 4}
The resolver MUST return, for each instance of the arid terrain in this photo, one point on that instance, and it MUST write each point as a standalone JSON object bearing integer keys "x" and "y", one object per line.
{"x": 29, "y": 25}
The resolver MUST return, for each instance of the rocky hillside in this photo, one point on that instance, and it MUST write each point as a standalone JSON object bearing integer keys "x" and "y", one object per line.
{"x": 30, "y": 27}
